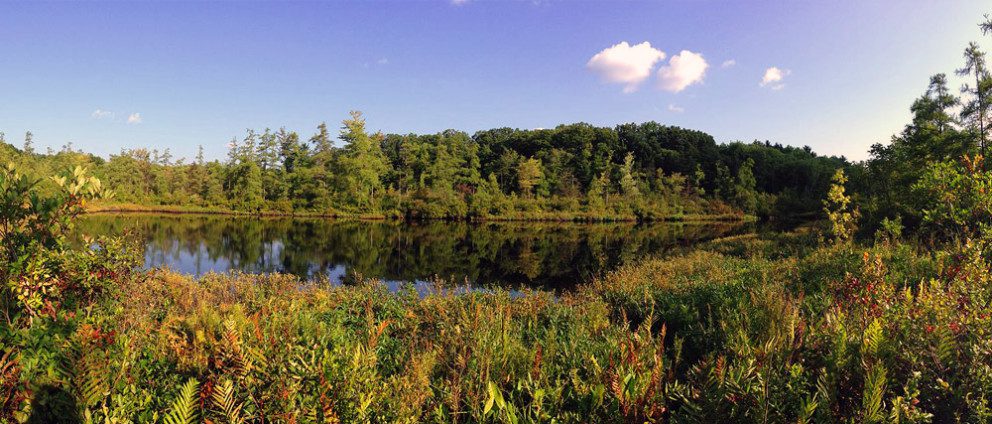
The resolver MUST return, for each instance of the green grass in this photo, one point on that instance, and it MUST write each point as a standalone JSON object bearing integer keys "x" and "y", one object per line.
{"x": 731, "y": 332}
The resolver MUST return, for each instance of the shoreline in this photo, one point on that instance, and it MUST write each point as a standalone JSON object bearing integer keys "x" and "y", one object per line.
{"x": 181, "y": 210}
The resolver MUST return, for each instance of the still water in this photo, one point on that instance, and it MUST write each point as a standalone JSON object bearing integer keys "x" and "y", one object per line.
{"x": 548, "y": 255}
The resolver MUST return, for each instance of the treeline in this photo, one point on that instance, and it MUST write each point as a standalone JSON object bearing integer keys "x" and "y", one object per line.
{"x": 633, "y": 171}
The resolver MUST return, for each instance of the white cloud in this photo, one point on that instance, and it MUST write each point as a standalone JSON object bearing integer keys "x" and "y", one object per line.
{"x": 773, "y": 77}
{"x": 458, "y": 2}
{"x": 675, "y": 108}
{"x": 625, "y": 64}
{"x": 101, "y": 114}
{"x": 728, "y": 63}
{"x": 383, "y": 61}
{"x": 134, "y": 118}
{"x": 683, "y": 70}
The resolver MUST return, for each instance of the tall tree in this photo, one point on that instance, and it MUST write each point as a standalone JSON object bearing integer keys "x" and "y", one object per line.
{"x": 29, "y": 143}
{"x": 976, "y": 110}
{"x": 362, "y": 163}
{"x": 745, "y": 195}
{"x": 628, "y": 181}
{"x": 528, "y": 175}
{"x": 245, "y": 187}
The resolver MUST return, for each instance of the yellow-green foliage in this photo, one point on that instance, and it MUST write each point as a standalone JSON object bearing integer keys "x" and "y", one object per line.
{"x": 837, "y": 207}
{"x": 883, "y": 335}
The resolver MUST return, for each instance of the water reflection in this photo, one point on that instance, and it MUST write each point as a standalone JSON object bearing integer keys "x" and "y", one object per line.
{"x": 547, "y": 255}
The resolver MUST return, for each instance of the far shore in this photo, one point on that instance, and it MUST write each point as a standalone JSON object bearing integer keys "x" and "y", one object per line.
{"x": 129, "y": 208}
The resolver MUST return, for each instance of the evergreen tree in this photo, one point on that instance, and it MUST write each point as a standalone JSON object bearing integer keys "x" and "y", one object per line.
{"x": 976, "y": 110}
{"x": 363, "y": 164}
{"x": 28, "y": 143}
{"x": 528, "y": 175}
{"x": 245, "y": 187}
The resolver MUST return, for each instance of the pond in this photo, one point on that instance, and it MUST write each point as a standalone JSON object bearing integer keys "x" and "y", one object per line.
{"x": 548, "y": 255}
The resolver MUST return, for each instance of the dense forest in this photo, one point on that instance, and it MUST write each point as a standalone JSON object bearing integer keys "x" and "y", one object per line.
{"x": 632, "y": 171}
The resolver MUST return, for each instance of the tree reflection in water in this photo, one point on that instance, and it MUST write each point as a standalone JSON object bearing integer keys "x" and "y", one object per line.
{"x": 550, "y": 255}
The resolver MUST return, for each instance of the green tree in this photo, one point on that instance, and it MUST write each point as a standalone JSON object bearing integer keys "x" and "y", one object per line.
{"x": 724, "y": 182}
{"x": 837, "y": 207}
{"x": 363, "y": 164}
{"x": 273, "y": 180}
{"x": 596, "y": 196}
{"x": 29, "y": 143}
{"x": 528, "y": 175}
{"x": 957, "y": 199}
{"x": 745, "y": 195}
{"x": 244, "y": 176}
{"x": 628, "y": 181}
{"x": 197, "y": 178}
{"x": 698, "y": 179}
{"x": 976, "y": 110}
{"x": 245, "y": 187}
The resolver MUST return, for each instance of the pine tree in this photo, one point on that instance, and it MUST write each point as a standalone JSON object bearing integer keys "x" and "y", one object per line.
{"x": 976, "y": 111}
{"x": 29, "y": 143}
{"x": 245, "y": 182}
{"x": 362, "y": 163}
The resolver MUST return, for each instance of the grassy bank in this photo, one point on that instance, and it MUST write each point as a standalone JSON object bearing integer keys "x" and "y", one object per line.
{"x": 521, "y": 216}
{"x": 747, "y": 329}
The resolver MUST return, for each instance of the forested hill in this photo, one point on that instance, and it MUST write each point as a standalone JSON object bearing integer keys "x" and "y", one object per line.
{"x": 575, "y": 171}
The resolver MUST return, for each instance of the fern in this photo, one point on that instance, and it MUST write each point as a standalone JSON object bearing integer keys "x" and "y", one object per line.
{"x": 224, "y": 400}
{"x": 946, "y": 347}
{"x": 182, "y": 411}
{"x": 874, "y": 392}
{"x": 93, "y": 379}
{"x": 873, "y": 338}
{"x": 807, "y": 409}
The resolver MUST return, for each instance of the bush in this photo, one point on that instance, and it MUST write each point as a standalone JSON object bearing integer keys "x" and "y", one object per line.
{"x": 39, "y": 271}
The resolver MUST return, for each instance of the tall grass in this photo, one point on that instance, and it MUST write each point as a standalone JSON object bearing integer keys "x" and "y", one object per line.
{"x": 732, "y": 332}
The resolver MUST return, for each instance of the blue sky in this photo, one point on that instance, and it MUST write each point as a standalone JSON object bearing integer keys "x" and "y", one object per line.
{"x": 176, "y": 75}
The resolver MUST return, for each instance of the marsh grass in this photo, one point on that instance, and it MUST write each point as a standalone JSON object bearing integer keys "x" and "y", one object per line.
{"x": 730, "y": 332}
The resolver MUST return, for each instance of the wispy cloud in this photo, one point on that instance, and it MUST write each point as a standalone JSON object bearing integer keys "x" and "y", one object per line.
{"x": 773, "y": 78}
{"x": 134, "y": 118}
{"x": 684, "y": 69}
{"x": 382, "y": 61}
{"x": 102, "y": 114}
{"x": 674, "y": 108}
{"x": 729, "y": 63}
{"x": 458, "y": 2}
{"x": 625, "y": 64}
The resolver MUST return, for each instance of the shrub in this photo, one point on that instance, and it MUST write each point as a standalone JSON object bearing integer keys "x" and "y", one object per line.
{"x": 38, "y": 269}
